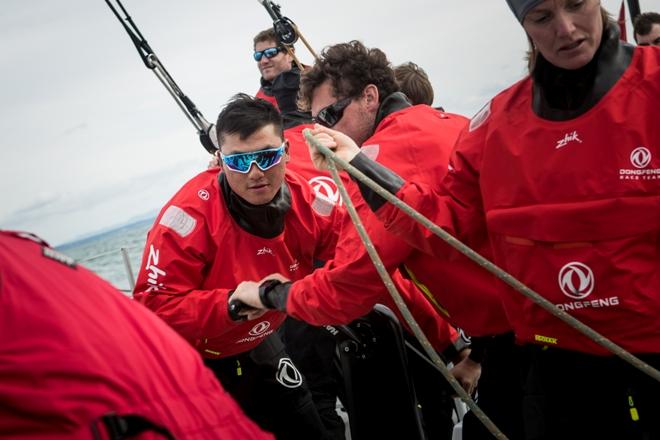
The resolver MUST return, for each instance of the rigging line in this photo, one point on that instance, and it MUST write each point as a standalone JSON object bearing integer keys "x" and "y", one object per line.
{"x": 134, "y": 34}
{"x": 487, "y": 264}
{"x": 151, "y": 61}
{"x": 286, "y": 30}
{"x": 400, "y": 303}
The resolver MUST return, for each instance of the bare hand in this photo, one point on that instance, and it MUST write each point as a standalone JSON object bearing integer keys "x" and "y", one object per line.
{"x": 343, "y": 146}
{"x": 248, "y": 292}
{"x": 467, "y": 373}
{"x": 214, "y": 162}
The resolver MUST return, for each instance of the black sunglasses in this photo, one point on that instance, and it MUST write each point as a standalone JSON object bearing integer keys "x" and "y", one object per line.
{"x": 330, "y": 115}
{"x": 268, "y": 53}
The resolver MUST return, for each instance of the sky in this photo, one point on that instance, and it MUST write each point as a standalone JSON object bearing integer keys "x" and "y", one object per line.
{"x": 90, "y": 139}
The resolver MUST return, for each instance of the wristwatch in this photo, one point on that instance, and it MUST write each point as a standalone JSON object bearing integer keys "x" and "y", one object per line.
{"x": 264, "y": 290}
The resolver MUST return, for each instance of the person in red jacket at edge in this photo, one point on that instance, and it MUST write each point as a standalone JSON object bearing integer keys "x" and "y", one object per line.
{"x": 562, "y": 170}
{"x": 353, "y": 89}
{"x": 82, "y": 361}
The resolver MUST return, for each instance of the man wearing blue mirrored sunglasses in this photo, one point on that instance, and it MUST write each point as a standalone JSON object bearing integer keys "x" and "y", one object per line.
{"x": 244, "y": 221}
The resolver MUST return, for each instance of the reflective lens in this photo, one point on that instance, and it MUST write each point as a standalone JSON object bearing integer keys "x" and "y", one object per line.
{"x": 265, "y": 159}
{"x": 269, "y": 53}
{"x": 330, "y": 115}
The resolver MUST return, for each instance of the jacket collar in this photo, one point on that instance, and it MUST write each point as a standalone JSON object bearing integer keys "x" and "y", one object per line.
{"x": 266, "y": 221}
{"x": 560, "y": 94}
{"x": 392, "y": 103}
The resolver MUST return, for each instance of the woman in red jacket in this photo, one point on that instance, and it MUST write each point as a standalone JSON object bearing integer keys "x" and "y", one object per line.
{"x": 563, "y": 171}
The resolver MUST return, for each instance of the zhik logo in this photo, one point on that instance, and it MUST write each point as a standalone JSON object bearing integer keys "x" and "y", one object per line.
{"x": 154, "y": 272}
{"x": 568, "y": 137}
{"x": 576, "y": 280}
{"x": 265, "y": 250}
{"x": 287, "y": 374}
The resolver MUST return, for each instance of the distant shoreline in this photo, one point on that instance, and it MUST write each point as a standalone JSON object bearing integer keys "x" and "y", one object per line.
{"x": 103, "y": 232}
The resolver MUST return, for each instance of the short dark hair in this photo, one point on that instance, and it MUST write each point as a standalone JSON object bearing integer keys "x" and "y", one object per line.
{"x": 244, "y": 115}
{"x": 266, "y": 35}
{"x": 414, "y": 83}
{"x": 350, "y": 67}
{"x": 644, "y": 22}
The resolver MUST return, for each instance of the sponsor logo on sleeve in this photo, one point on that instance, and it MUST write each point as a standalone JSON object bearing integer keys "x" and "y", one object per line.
{"x": 260, "y": 330}
{"x": 287, "y": 374}
{"x": 322, "y": 205}
{"x": 153, "y": 271}
{"x": 203, "y": 194}
{"x": 576, "y": 281}
{"x": 178, "y": 220}
{"x": 640, "y": 159}
{"x": 326, "y": 187}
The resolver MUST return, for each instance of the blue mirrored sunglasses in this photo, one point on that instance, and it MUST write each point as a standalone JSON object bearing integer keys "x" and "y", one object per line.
{"x": 268, "y": 53}
{"x": 264, "y": 159}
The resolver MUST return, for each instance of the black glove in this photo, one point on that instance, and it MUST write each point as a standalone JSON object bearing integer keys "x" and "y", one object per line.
{"x": 274, "y": 294}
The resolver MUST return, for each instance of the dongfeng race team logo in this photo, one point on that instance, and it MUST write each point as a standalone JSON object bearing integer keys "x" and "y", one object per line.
{"x": 326, "y": 187}
{"x": 260, "y": 328}
{"x": 640, "y": 157}
{"x": 641, "y": 169}
{"x": 576, "y": 280}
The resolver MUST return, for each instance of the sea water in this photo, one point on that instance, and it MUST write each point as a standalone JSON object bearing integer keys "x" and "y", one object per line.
{"x": 102, "y": 253}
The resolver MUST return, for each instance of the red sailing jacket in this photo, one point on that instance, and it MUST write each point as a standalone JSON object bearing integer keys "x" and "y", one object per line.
{"x": 301, "y": 163}
{"x": 414, "y": 142}
{"x": 439, "y": 331}
{"x": 270, "y": 98}
{"x": 196, "y": 253}
{"x": 73, "y": 349}
{"x": 572, "y": 208}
